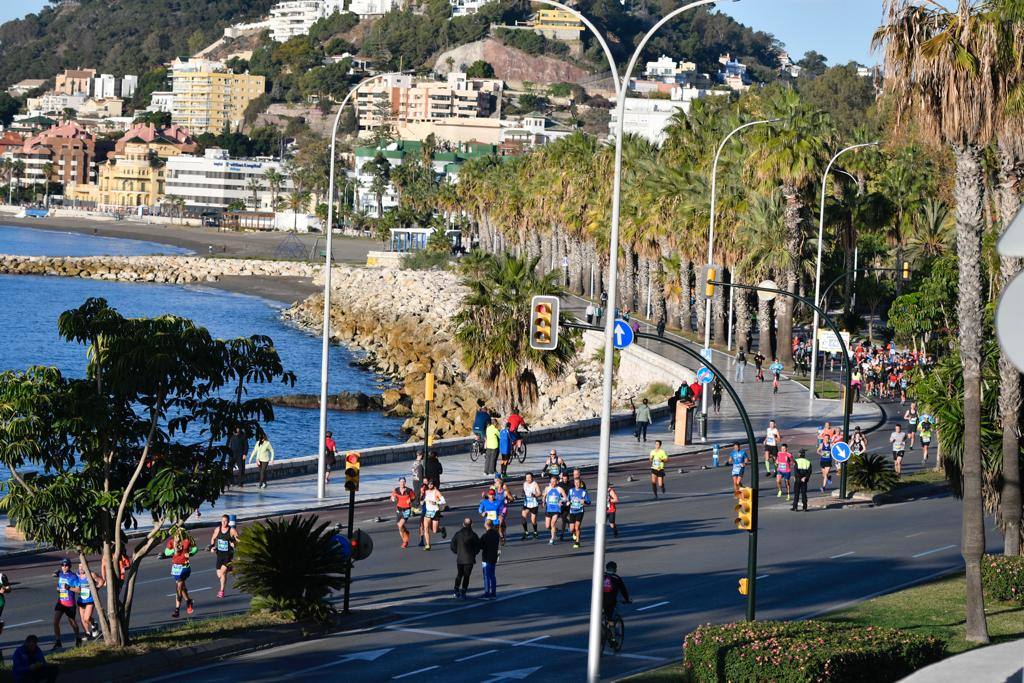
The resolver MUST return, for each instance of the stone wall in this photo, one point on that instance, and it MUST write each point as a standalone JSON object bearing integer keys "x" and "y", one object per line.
{"x": 166, "y": 269}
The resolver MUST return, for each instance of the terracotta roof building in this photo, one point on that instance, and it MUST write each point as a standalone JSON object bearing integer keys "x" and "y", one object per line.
{"x": 69, "y": 147}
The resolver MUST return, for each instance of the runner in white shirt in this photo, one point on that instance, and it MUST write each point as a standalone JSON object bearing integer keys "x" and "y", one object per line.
{"x": 772, "y": 439}
{"x": 531, "y": 502}
{"x": 898, "y": 440}
{"x": 433, "y": 504}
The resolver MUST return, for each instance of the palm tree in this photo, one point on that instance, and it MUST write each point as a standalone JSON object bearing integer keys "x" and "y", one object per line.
{"x": 275, "y": 180}
{"x": 254, "y": 186}
{"x": 765, "y": 254}
{"x": 298, "y": 199}
{"x": 932, "y": 231}
{"x": 48, "y": 169}
{"x": 18, "y": 171}
{"x": 491, "y": 328}
{"x": 942, "y": 74}
{"x": 380, "y": 170}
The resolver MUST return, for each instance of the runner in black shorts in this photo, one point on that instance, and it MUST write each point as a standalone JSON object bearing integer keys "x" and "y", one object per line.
{"x": 564, "y": 485}
{"x": 223, "y": 542}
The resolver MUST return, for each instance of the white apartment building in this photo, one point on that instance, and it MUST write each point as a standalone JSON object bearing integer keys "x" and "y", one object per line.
{"x": 411, "y": 101}
{"x": 214, "y": 181}
{"x": 129, "y": 84}
{"x": 667, "y": 69}
{"x": 103, "y": 86}
{"x": 649, "y": 117}
{"x": 53, "y": 103}
{"x": 295, "y": 17}
{"x": 161, "y": 101}
{"x": 370, "y": 8}
{"x": 462, "y": 8}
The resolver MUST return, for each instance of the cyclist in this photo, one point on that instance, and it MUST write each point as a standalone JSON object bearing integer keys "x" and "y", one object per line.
{"x": 613, "y": 506}
{"x": 515, "y": 422}
{"x": 433, "y": 502}
{"x": 554, "y": 497}
{"x": 223, "y": 542}
{"x": 911, "y": 416}
{"x": 772, "y": 439}
{"x": 614, "y": 587}
{"x": 402, "y": 497}
{"x": 578, "y": 497}
{"x": 658, "y": 459}
{"x": 180, "y": 548}
{"x": 739, "y": 459}
{"x": 86, "y": 602}
{"x": 67, "y": 587}
{"x": 531, "y": 501}
{"x": 554, "y": 465}
{"x": 783, "y": 471}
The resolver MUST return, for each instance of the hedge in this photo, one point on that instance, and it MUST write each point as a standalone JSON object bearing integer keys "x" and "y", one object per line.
{"x": 1003, "y": 577}
{"x": 805, "y": 651}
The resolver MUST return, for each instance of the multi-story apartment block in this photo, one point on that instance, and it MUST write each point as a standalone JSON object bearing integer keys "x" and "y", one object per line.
{"x": 25, "y": 86}
{"x": 462, "y": 8}
{"x": 401, "y": 98}
{"x": 129, "y": 84}
{"x": 69, "y": 148}
{"x": 733, "y": 73}
{"x": 74, "y": 82}
{"x": 208, "y": 97}
{"x": 214, "y": 181}
{"x": 557, "y": 24}
{"x": 161, "y": 101}
{"x": 104, "y": 86}
{"x": 648, "y": 117}
{"x": 668, "y": 70}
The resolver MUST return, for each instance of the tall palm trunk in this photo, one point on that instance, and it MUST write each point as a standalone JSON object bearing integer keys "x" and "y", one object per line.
{"x": 719, "y": 311}
{"x": 1009, "y": 376}
{"x": 686, "y": 309}
{"x": 628, "y": 285}
{"x": 742, "y": 307}
{"x": 967, "y": 192}
{"x": 794, "y": 244}
{"x": 659, "y": 306}
{"x": 764, "y": 327}
{"x": 644, "y": 278}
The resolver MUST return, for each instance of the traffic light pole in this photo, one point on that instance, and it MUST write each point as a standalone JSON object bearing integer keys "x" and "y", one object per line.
{"x": 348, "y": 565}
{"x": 751, "y": 443}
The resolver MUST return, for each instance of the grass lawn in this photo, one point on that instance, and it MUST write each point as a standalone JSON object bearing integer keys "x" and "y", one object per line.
{"x": 933, "y": 609}
{"x": 823, "y": 388}
{"x": 928, "y": 476}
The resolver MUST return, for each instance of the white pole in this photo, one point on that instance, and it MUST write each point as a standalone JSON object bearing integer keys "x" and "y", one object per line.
{"x": 597, "y": 579}
{"x": 648, "y": 316}
{"x": 817, "y": 271}
{"x": 711, "y": 248}
{"x": 853, "y": 294}
{"x": 321, "y": 462}
{"x": 591, "y": 280}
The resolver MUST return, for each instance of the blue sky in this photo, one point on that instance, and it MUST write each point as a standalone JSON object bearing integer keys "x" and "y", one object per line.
{"x": 839, "y": 29}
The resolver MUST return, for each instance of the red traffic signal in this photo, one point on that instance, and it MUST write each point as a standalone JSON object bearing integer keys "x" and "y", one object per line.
{"x": 362, "y": 545}
{"x": 352, "y": 471}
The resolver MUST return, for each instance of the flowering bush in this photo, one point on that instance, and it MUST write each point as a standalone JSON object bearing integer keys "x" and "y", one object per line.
{"x": 1003, "y": 577}
{"x": 805, "y": 652}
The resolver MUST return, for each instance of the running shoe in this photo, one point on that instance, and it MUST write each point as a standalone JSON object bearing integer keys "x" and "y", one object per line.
{"x": 523, "y": 537}
{"x": 779, "y": 494}
{"x": 405, "y": 544}
{"x": 535, "y": 536}
{"x": 551, "y": 541}
{"x": 188, "y": 607}
{"x": 175, "y": 614}
{"x": 444, "y": 532}
{"x": 426, "y": 547}
{"x": 220, "y": 594}
{"x": 576, "y": 546}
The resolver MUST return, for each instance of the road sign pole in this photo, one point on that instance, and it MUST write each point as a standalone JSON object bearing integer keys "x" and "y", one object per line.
{"x": 348, "y": 565}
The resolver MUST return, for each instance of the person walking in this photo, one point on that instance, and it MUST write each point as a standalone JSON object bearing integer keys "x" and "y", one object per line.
{"x": 803, "y": 479}
{"x": 490, "y": 546}
{"x": 598, "y": 314}
{"x": 716, "y": 396}
{"x": 239, "y": 447}
{"x": 661, "y": 327}
{"x": 433, "y": 469}
{"x": 505, "y": 447}
{"x": 492, "y": 439}
{"x": 262, "y": 455}
{"x": 643, "y": 420}
{"x": 330, "y": 456}
{"x": 223, "y": 542}
{"x": 590, "y": 313}
{"x": 741, "y": 365}
{"x": 417, "y": 480}
{"x": 466, "y": 546}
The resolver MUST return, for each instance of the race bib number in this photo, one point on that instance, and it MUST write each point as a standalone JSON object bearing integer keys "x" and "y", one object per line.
{"x": 531, "y": 501}
{"x": 177, "y": 569}
{"x": 223, "y": 546}
{"x": 491, "y": 515}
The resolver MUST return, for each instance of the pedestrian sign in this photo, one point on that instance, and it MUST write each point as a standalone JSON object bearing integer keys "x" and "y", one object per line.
{"x": 622, "y": 334}
{"x": 705, "y": 376}
{"x": 841, "y": 451}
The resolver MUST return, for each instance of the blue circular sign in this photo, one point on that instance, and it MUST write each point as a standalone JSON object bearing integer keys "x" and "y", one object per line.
{"x": 841, "y": 451}
{"x": 622, "y": 334}
{"x": 705, "y": 376}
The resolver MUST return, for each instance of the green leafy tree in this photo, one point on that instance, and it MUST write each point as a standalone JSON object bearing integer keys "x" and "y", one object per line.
{"x": 813, "y": 64}
{"x": 480, "y": 69}
{"x": 135, "y": 443}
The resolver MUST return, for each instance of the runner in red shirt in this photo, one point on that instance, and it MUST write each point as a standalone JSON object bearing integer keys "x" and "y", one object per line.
{"x": 402, "y": 497}
{"x": 783, "y": 471}
{"x": 180, "y": 548}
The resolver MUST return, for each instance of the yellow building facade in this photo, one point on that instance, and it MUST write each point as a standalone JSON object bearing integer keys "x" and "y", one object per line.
{"x": 209, "y": 97}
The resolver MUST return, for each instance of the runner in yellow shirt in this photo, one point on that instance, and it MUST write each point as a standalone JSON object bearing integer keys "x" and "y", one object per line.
{"x": 658, "y": 459}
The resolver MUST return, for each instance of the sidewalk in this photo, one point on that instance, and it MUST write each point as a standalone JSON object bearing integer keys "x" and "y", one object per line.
{"x": 1002, "y": 663}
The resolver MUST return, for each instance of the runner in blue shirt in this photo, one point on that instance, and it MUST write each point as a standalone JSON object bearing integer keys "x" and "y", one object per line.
{"x": 578, "y": 497}
{"x": 739, "y": 459}
{"x": 553, "y": 499}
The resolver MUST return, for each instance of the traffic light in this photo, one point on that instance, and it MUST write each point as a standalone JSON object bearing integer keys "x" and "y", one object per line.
{"x": 708, "y": 275}
{"x": 906, "y": 270}
{"x": 362, "y": 545}
{"x": 428, "y": 387}
{"x": 544, "y": 323}
{"x": 744, "y": 587}
{"x": 744, "y": 509}
{"x": 352, "y": 471}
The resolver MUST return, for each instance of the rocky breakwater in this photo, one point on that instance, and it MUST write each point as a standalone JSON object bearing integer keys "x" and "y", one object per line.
{"x": 164, "y": 269}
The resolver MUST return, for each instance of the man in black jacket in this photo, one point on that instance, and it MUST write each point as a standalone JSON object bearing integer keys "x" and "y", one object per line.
{"x": 465, "y": 544}
{"x": 239, "y": 446}
{"x": 433, "y": 469}
{"x": 490, "y": 545}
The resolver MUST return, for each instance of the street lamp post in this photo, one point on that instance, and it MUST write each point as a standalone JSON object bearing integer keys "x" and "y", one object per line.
{"x": 817, "y": 274}
{"x": 321, "y": 488}
{"x": 711, "y": 252}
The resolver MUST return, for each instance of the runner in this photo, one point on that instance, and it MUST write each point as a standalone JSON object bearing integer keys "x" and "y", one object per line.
{"x": 67, "y": 588}
{"x": 578, "y": 497}
{"x": 772, "y": 439}
{"x": 503, "y": 495}
{"x": 5, "y": 588}
{"x": 86, "y": 602}
{"x": 565, "y": 485}
{"x": 898, "y": 440}
{"x": 858, "y": 442}
{"x": 531, "y": 501}
{"x": 180, "y": 548}
{"x": 490, "y": 508}
{"x": 658, "y": 460}
{"x": 739, "y": 459}
{"x": 554, "y": 498}
{"x": 613, "y": 506}
{"x": 402, "y": 497}
{"x": 223, "y": 542}
{"x": 554, "y": 465}
{"x": 783, "y": 471}
{"x": 433, "y": 502}
{"x": 330, "y": 456}
{"x": 925, "y": 429}
{"x": 911, "y": 417}
{"x": 825, "y": 462}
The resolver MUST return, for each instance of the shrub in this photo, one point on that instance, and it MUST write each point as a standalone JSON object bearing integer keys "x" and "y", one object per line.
{"x": 791, "y": 652}
{"x": 871, "y": 472}
{"x": 290, "y": 565}
{"x": 426, "y": 260}
{"x": 1003, "y": 577}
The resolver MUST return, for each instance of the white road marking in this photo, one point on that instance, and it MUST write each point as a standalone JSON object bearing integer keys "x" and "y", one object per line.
{"x": 933, "y": 550}
{"x": 915, "y": 534}
{"x": 503, "y": 641}
{"x": 763, "y": 576}
{"x": 836, "y": 557}
{"x": 531, "y": 640}
{"x": 417, "y": 671}
{"x": 657, "y": 604}
{"x": 478, "y": 654}
{"x": 194, "y": 590}
{"x": 169, "y": 577}
{"x": 25, "y": 623}
{"x": 472, "y": 605}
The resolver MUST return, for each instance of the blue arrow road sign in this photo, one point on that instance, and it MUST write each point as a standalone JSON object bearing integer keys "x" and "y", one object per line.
{"x": 841, "y": 451}
{"x": 622, "y": 334}
{"x": 705, "y": 376}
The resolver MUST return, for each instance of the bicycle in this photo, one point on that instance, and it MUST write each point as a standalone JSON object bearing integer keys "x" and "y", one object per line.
{"x": 476, "y": 449}
{"x": 613, "y": 632}
{"x": 520, "y": 449}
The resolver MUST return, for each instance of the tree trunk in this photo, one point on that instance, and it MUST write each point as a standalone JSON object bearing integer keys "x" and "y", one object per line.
{"x": 1009, "y": 376}
{"x": 628, "y": 285}
{"x": 686, "y": 307}
{"x": 784, "y": 308}
{"x": 719, "y": 311}
{"x": 742, "y": 308}
{"x": 659, "y": 307}
{"x": 764, "y": 327}
{"x": 644, "y": 279}
{"x": 967, "y": 192}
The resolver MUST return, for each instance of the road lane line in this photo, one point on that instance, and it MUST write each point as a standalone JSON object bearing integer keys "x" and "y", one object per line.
{"x": 25, "y": 623}
{"x": 933, "y": 550}
{"x": 915, "y": 534}
{"x": 165, "y": 578}
{"x": 763, "y": 576}
{"x": 531, "y": 640}
{"x": 503, "y": 641}
{"x": 511, "y": 596}
{"x": 657, "y": 604}
{"x": 417, "y": 671}
{"x": 478, "y": 654}
{"x": 836, "y": 557}
{"x": 194, "y": 590}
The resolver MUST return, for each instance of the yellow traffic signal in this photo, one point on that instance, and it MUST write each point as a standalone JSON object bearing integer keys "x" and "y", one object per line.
{"x": 744, "y": 509}
{"x": 744, "y": 587}
{"x": 544, "y": 323}
{"x": 428, "y": 389}
{"x": 709, "y": 287}
{"x": 906, "y": 270}
{"x": 351, "y": 471}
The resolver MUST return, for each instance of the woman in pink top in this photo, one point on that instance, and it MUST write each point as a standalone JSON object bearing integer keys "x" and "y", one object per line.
{"x": 783, "y": 471}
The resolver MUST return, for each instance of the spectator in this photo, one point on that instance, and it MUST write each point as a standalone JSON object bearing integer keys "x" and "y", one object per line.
{"x": 590, "y": 313}
{"x": 239, "y": 446}
{"x": 643, "y": 420}
{"x": 490, "y": 545}
{"x": 491, "y": 442}
{"x": 433, "y": 469}
{"x": 505, "y": 447}
{"x": 417, "y": 478}
{"x": 30, "y": 665}
{"x": 466, "y": 545}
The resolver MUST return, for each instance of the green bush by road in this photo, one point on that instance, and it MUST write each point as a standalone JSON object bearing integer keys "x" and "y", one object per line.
{"x": 1003, "y": 577}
